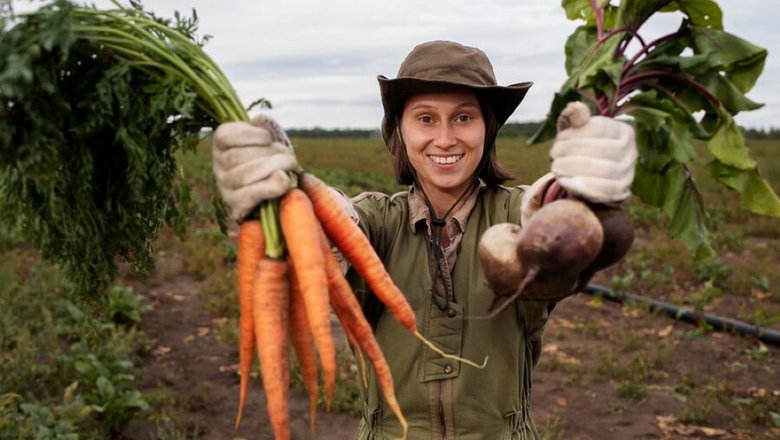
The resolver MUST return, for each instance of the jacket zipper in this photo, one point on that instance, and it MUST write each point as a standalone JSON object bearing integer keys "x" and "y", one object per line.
{"x": 440, "y": 411}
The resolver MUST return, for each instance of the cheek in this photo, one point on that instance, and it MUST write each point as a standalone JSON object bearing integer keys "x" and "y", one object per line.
{"x": 414, "y": 146}
{"x": 477, "y": 146}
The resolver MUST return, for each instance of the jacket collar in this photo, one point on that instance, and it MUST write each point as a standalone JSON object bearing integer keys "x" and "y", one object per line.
{"x": 420, "y": 214}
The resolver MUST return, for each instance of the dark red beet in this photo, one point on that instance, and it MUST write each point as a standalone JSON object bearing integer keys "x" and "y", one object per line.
{"x": 618, "y": 237}
{"x": 565, "y": 236}
{"x": 559, "y": 241}
{"x": 618, "y": 230}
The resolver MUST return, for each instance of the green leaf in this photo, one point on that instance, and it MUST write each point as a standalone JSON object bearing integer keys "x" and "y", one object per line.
{"x": 665, "y": 124}
{"x": 760, "y": 198}
{"x": 578, "y": 46}
{"x": 645, "y": 185}
{"x": 688, "y": 221}
{"x": 583, "y": 10}
{"x": 632, "y": 13}
{"x": 692, "y": 65}
{"x": 675, "y": 192}
{"x": 599, "y": 67}
{"x": 728, "y": 95}
{"x": 728, "y": 146}
{"x": 740, "y": 60}
{"x": 704, "y": 13}
{"x": 579, "y": 10}
{"x": 105, "y": 388}
{"x": 651, "y": 118}
{"x": 757, "y": 196}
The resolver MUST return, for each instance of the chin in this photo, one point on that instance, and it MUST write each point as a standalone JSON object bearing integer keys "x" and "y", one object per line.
{"x": 450, "y": 184}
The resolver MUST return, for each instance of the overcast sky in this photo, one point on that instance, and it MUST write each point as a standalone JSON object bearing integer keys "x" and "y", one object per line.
{"x": 317, "y": 61}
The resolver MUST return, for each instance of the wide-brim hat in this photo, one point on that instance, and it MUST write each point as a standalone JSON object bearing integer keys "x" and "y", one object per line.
{"x": 438, "y": 66}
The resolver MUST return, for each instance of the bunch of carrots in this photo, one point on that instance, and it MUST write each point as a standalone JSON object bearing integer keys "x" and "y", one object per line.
{"x": 287, "y": 299}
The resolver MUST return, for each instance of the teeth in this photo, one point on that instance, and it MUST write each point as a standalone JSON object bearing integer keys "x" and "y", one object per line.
{"x": 446, "y": 159}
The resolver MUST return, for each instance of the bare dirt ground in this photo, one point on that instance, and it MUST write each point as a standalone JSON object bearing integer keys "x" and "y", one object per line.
{"x": 607, "y": 372}
{"x": 188, "y": 364}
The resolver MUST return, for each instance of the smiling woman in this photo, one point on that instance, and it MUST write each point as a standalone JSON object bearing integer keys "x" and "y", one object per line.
{"x": 442, "y": 113}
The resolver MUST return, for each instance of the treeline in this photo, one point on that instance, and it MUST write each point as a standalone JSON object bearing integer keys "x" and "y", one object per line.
{"x": 753, "y": 133}
{"x": 323, "y": 133}
{"x": 511, "y": 130}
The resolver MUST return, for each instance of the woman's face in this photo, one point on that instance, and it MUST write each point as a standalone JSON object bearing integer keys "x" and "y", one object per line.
{"x": 444, "y": 134}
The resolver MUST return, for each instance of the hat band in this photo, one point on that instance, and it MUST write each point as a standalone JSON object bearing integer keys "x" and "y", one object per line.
{"x": 459, "y": 76}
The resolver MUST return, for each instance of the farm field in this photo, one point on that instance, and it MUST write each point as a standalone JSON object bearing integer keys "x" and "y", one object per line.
{"x": 158, "y": 361}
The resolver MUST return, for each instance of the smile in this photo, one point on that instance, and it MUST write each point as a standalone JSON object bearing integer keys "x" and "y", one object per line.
{"x": 446, "y": 160}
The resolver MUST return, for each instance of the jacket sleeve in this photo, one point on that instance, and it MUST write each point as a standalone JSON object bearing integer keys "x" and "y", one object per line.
{"x": 369, "y": 209}
{"x": 534, "y": 315}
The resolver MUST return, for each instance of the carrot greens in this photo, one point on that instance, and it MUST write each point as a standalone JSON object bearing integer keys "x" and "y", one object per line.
{"x": 94, "y": 107}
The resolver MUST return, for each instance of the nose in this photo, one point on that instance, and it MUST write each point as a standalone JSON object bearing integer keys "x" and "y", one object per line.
{"x": 445, "y": 136}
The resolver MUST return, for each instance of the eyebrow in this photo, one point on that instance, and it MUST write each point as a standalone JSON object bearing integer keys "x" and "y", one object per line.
{"x": 466, "y": 104}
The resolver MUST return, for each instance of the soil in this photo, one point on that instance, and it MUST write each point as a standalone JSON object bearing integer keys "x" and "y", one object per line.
{"x": 185, "y": 358}
{"x": 576, "y": 390}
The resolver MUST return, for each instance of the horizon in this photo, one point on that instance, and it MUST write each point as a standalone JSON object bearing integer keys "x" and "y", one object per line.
{"x": 317, "y": 62}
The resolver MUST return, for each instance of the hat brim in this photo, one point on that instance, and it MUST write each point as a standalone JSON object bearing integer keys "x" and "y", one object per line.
{"x": 503, "y": 99}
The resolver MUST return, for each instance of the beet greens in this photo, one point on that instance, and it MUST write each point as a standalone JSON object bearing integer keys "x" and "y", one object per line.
{"x": 685, "y": 85}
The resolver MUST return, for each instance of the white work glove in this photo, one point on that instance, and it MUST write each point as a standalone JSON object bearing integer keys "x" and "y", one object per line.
{"x": 594, "y": 157}
{"x": 250, "y": 163}
{"x": 534, "y": 197}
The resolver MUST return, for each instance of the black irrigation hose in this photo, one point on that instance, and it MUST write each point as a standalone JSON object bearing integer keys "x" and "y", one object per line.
{"x": 686, "y": 314}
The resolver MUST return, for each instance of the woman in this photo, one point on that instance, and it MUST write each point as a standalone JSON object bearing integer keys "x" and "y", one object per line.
{"x": 441, "y": 116}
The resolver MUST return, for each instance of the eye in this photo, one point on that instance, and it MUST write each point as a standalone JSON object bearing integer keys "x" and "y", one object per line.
{"x": 463, "y": 118}
{"x": 425, "y": 119}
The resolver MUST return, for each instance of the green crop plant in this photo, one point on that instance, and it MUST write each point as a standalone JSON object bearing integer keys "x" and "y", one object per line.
{"x": 683, "y": 86}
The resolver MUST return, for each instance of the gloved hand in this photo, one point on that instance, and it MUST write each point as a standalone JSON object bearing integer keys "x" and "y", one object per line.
{"x": 250, "y": 163}
{"x": 594, "y": 157}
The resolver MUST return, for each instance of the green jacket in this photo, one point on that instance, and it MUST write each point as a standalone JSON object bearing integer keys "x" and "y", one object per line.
{"x": 441, "y": 398}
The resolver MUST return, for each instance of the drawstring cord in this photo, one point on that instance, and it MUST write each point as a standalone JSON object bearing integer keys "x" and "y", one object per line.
{"x": 437, "y": 225}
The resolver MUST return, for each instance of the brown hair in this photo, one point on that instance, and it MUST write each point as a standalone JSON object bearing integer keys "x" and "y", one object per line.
{"x": 489, "y": 169}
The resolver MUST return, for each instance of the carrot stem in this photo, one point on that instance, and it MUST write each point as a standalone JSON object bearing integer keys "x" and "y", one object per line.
{"x": 269, "y": 216}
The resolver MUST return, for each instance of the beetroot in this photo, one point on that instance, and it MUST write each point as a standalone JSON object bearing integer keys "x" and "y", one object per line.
{"x": 558, "y": 243}
{"x": 498, "y": 256}
{"x": 618, "y": 237}
{"x": 618, "y": 230}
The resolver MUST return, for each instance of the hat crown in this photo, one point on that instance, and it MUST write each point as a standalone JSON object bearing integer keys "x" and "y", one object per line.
{"x": 447, "y": 61}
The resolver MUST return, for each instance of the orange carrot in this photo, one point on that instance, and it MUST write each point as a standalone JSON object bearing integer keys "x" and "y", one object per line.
{"x": 355, "y": 324}
{"x": 302, "y": 340}
{"x": 357, "y": 249}
{"x": 271, "y": 303}
{"x": 351, "y": 241}
{"x": 251, "y": 245}
{"x": 358, "y": 354}
{"x": 301, "y": 235}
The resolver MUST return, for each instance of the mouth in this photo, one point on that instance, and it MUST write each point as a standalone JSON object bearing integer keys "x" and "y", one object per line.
{"x": 446, "y": 160}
